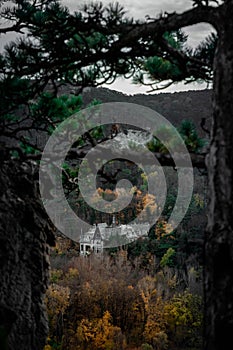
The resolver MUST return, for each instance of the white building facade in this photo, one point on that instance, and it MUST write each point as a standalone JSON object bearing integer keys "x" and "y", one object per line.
{"x": 102, "y": 236}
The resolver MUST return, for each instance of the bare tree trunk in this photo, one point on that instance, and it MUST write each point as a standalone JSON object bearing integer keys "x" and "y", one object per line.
{"x": 219, "y": 235}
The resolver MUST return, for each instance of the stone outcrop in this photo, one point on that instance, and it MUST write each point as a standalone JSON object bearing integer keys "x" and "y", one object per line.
{"x": 25, "y": 236}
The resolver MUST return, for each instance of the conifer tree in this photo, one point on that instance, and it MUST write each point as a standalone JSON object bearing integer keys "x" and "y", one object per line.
{"x": 94, "y": 46}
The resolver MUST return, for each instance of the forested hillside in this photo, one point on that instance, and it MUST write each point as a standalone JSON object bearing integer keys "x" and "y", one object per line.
{"x": 145, "y": 295}
{"x": 191, "y": 105}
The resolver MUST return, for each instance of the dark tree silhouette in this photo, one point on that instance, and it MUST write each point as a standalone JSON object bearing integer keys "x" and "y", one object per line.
{"x": 96, "y": 45}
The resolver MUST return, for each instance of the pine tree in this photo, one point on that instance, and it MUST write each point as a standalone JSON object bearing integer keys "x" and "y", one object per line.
{"x": 98, "y": 44}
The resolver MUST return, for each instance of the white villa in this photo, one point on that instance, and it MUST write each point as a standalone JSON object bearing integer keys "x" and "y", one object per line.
{"x": 102, "y": 236}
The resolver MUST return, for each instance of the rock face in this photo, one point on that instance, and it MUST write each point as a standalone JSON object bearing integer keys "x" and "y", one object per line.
{"x": 25, "y": 236}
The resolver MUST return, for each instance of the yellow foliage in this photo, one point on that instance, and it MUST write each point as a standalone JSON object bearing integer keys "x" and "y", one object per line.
{"x": 155, "y": 328}
{"x": 99, "y": 334}
{"x": 72, "y": 273}
{"x": 147, "y": 288}
{"x": 163, "y": 229}
{"x": 57, "y": 301}
{"x": 55, "y": 275}
{"x": 199, "y": 201}
{"x": 47, "y": 347}
{"x": 58, "y": 298}
{"x": 130, "y": 287}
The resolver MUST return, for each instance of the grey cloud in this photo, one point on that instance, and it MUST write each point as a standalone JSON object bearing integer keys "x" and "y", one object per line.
{"x": 140, "y": 8}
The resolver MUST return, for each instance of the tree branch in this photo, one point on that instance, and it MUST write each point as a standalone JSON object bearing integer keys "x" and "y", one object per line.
{"x": 171, "y": 22}
{"x": 14, "y": 28}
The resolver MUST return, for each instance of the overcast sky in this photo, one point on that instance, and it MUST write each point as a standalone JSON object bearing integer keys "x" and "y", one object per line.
{"x": 139, "y": 9}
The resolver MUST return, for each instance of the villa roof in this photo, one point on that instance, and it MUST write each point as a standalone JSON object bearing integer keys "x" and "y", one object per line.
{"x": 97, "y": 234}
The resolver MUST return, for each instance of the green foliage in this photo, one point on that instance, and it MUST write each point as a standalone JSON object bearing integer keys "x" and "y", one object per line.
{"x": 146, "y": 347}
{"x": 164, "y": 140}
{"x": 26, "y": 148}
{"x": 56, "y": 276}
{"x": 70, "y": 171}
{"x": 13, "y": 92}
{"x": 97, "y": 133}
{"x": 177, "y": 39}
{"x": 197, "y": 205}
{"x": 189, "y": 133}
{"x": 159, "y": 68}
{"x": 184, "y": 317}
{"x": 45, "y": 113}
{"x": 55, "y": 109}
{"x": 144, "y": 185}
{"x": 169, "y": 203}
{"x": 60, "y": 46}
{"x": 167, "y": 259}
{"x": 199, "y": 201}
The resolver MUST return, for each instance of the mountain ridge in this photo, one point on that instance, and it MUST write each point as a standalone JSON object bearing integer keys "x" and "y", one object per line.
{"x": 193, "y": 105}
